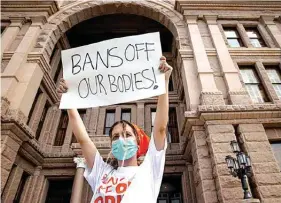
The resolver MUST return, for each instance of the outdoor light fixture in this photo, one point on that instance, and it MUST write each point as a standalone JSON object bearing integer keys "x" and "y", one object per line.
{"x": 240, "y": 167}
{"x": 234, "y": 145}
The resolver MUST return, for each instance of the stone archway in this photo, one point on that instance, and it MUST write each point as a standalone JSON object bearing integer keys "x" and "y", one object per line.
{"x": 77, "y": 12}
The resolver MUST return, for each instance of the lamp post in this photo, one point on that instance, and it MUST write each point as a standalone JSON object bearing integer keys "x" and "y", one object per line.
{"x": 240, "y": 167}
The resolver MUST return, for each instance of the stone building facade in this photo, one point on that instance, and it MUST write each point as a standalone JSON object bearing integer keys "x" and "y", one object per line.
{"x": 226, "y": 85}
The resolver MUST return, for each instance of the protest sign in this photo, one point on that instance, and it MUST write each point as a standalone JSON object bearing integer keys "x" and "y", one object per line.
{"x": 113, "y": 71}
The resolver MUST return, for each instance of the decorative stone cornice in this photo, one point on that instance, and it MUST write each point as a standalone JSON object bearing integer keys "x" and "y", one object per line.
{"x": 40, "y": 60}
{"x": 38, "y": 21}
{"x": 14, "y": 121}
{"x": 49, "y": 7}
{"x": 191, "y": 19}
{"x": 182, "y": 6}
{"x": 46, "y": 68}
{"x": 211, "y": 19}
{"x": 80, "y": 11}
{"x": 255, "y": 51}
{"x": 267, "y": 20}
{"x": 185, "y": 54}
{"x": 17, "y": 21}
{"x": 233, "y": 108}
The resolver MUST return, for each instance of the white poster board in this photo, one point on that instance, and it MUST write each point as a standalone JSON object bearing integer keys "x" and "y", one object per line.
{"x": 113, "y": 71}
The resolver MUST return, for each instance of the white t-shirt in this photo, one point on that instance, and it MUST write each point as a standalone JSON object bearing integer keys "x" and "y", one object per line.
{"x": 112, "y": 186}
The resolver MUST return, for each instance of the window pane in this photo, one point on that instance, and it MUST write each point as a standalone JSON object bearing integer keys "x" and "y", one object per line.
{"x": 277, "y": 88}
{"x": 255, "y": 93}
{"x": 273, "y": 75}
{"x": 173, "y": 135}
{"x": 61, "y": 129}
{"x": 276, "y": 147}
{"x": 249, "y": 75}
{"x": 20, "y": 189}
{"x": 255, "y": 42}
{"x": 252, "y": 33}
{"x": 230, "y": 34}
{"x": 126, "y": 115}
{"x": 106, "y": 131}
{"x": 255, "y": 38}
{"x": 110, "y": 119}
{"x": 233, "y": 43}
{"x": 42, "y": 120}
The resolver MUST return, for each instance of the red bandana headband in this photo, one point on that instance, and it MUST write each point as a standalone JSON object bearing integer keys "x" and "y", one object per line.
{"x": 143, "y": 141}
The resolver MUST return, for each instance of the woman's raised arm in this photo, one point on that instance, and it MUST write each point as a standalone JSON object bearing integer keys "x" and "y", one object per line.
{"x": 162, "y": 111}
{"x": 88, "y": 147}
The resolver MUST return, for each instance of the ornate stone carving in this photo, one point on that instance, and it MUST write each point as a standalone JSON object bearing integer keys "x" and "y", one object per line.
{"x": 152, "y": 9}
{"x": 212, "y": 98}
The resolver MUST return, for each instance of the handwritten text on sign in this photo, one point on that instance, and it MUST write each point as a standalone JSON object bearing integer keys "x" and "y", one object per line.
{"x": 113, "y": 71}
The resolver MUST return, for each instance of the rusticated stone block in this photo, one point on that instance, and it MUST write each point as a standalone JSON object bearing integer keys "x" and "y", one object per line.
{"x": 232, "y": 193}
{"x": 229, "y": 182}
{"x": 269, "y": 179}
{"x": 221, "y": 148}
{"x": 255, "y": 136}
{"x": 272, "y": 191}
{"x": 220, "y": 158}
{"x": 205, "y": 174}
{"x": 221, "y": 169}
{"x": 222, "y": 137}
{"x": 210, "y": 197}
{"x": 259, "y": 157}
{"x": 213, "y": 129}
{"x": 269, "y": 167}
{"x": 258, "y": 146}
{"x": 4, "y": 176}
{"x": 6, "y": 163}
{"x": 244, "y": 128}
{"x": 272, "y": 200}
{"x": 207, "y": 185}
{"x": 204, "y": 163}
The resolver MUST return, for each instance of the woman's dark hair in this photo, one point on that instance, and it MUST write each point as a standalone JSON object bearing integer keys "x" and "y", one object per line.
{"x": 113, "y": 161}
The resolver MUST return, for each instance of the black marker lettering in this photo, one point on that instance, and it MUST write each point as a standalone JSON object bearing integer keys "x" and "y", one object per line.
{"x": 94, "y": 93}
{"x": 147, "y": 50}
{"x": 133, "y": 52}
{"x": 147, "y": 79}
{"x": 109, "y": 54}
{"x": 83, "y": 88}
{"x": 112, "y": 83}
{"x": 89, "y": 61}
{"x": 99, "y": 56}
{"x": 137, "y": 50}
{"x": 76, "y": 65}
{"x": 100, "y": 78}
{"x": 137, "y": 81}
{"x": 125, "y": 83}
{"x": 154, "y": 75}
{"x": 132, "y": 81}
{"x": 120, "y": 83}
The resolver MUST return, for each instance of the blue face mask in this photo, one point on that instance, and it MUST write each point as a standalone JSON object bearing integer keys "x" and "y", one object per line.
{"x": 123, "y": 149}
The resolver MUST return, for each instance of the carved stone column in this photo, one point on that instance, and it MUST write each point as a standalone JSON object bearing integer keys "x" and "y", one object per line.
{"x": 77, "y": 188}
{"x": 10, "y": 33}
{"x": 237, "y": 94}
{"x": 210, "y": 93}
{"x": 17, "y": 76}
{"x": 273, "y": 30}
{"x": 140, "y": 114}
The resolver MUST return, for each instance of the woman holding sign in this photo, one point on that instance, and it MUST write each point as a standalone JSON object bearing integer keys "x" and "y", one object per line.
{"x": 126, "y": 181}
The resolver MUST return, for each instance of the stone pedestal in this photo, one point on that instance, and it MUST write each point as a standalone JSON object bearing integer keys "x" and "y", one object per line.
{"x": 250, "y": 201}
